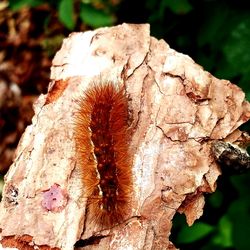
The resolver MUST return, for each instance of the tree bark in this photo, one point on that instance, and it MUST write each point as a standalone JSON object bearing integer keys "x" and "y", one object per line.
{"x": 177, "y": 111}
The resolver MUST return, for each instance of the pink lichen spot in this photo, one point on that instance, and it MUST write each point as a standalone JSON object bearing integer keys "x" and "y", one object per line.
{"x": 54, "y": 199}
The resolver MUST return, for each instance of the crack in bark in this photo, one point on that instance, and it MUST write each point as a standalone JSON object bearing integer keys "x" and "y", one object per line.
{"x": 93, "y": 240}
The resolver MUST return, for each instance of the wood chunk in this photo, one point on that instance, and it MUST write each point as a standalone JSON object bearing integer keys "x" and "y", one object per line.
{"x": 176, "y": 111}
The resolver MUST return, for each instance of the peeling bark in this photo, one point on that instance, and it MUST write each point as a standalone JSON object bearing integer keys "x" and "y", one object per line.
{"x": 177, "y": 111}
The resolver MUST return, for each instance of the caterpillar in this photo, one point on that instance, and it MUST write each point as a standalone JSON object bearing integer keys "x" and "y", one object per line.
{"x": 102, "y": 148}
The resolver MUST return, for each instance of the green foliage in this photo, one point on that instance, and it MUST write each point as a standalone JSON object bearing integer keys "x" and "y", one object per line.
{"x": 235, "y": 51}
{"x": 66, "y": 13}
{"x": 15, "y": 5}
{"x": 223, "y": 237}
{"x": 239, "y": 212}
{"x": 94, "y": 17}
{"x": 240, "y": 219}
{"x": 236, "y": 46}
{"x": 92, "y": 13}
{"x": 177, "y": 6}
{"x": 216, "y": 199}
{"x": 198, "y": 231}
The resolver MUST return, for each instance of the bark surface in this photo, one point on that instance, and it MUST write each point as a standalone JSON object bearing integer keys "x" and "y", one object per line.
{"x": 177, "y": 110}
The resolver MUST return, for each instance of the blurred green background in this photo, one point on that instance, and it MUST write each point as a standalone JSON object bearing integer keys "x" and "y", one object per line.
{"x": 216, "y": 34}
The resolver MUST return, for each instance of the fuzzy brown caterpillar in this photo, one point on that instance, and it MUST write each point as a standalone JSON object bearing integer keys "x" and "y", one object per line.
{"x": 102, "y": 142}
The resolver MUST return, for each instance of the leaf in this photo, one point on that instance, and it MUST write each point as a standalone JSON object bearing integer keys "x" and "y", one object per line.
{"x": 214, "y": 25}
{"x": 178, "y": 6}
{"x": 95, "y": 18}
{"x": 242, "y": 184}
{"x": 239, "y": 215}
{"x": 66, "y": 13}
{"x": 237, "y": 46}
{"x": 248, "y": 96}
{"x": 224, "y": 236}
{"x": 198, "y": 231}
{"x": 15, "y": 5}
{"x": 216, "y": 199}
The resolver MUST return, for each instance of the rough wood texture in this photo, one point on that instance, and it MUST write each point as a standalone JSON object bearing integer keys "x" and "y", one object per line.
{"x": 177, "y": 110}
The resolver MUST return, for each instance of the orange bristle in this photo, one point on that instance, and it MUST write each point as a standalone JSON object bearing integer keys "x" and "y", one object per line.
{"x": 102, "y": 142}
